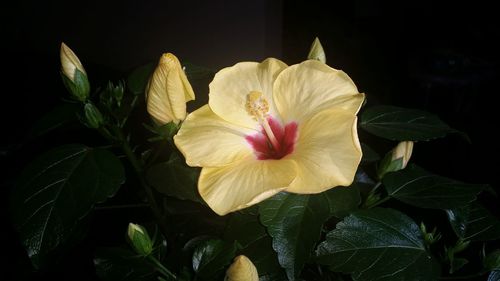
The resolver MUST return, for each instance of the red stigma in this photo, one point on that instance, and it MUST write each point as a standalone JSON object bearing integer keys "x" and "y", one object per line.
{"x": 286, "y": 137}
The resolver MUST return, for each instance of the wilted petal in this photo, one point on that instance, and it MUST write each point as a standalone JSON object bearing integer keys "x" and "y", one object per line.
{"x": 242, "y": 184}
{"x": 205, "y": 139}
{"x": 327, "y": 152}
{"x": 231, "y": 85}
{"x": 305, "y": 89}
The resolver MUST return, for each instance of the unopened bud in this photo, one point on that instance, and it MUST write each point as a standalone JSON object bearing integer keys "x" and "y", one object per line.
{"x": 316, "y": 52}
{"x": 139, "y": 239}
{"x": 168, "y": 91}
{"x": 242, "y": 269}
{"x": 93, "y": 117}
{"x": 73, "y": 74}
{"x": 397, "y": 159}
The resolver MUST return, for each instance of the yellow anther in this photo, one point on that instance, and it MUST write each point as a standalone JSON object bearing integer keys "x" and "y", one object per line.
{"x": 257, "y": 105}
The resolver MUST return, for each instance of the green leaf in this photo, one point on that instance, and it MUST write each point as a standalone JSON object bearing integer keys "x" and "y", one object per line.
{"x": 473, "y": 222}
{"x": 369, "y": 155}
{"x": 212, "y": 256}
{"x": 53, "y": 119}
{"x": 138, "y": 79}
{"x": 58, "y": 189}
{"x": 255, "y": 242}
{"x": 294, "y": 221}
{"x": 420, "y": 188}
{"x": 494, "y": 275}
{"x": 196, "y": 72}
{"x": 492, "y": 260}
{"x": 342, "y": 200}
{"x": 378, "y": 244}
{"x": 116, "y": 264}
{"x": 457, "y": 264}
{"x": 174, "y": 178}
{"x": 402, "y": 124}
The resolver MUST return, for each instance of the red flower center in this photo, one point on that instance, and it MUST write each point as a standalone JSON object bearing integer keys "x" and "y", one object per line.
{"x": 286, "y": 137}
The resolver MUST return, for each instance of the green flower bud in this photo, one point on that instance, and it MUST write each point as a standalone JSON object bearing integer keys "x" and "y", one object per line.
{"x": 316, "y": 52}
{"x": 396, "y": 159}
{"x": 73, "y": 74}
{"x": 139, "y": 239}
{"x": 93, "y": 117}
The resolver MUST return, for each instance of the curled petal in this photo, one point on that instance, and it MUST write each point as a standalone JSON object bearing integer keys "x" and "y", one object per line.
{"x": 245, "y": 183}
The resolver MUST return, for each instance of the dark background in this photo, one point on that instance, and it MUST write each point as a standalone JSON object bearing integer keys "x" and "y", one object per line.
{"x": 441, "y": 57}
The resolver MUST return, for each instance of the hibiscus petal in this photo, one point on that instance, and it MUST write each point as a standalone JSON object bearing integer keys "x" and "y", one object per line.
{"x": 207, "y": 140}
{"x": 231, "y": 85}
{"x": 305, "y": 89}
{"x": 327, "y": 152}
{"x": 237, "y": 186}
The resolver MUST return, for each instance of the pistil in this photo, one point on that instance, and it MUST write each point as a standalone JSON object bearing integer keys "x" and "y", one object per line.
{"x": 257, "y": 106}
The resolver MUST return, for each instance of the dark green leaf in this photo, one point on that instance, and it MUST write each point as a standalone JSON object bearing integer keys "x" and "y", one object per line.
{"x": 294, "y": 221}
{"x": 378, "y": 244}
{"x": 474, "y": 222}
{"x": 212, "y": 256}
{"x": 420, "y": 188}
{"x": 402, "y": 124}
{"x": 138, "y": 79}
{"x": 196, "y": 72}
{"x": 494, "y": 275}
{"x": 342, "y": 200}
{"x": 174, "y": 178}
{"x": 116, "y": 264}
{"x": 369, "y": 155}
{"x": 55, "y": 118}
{"x": 58, "y": 189}
{"x": 255, "y": 242}
{"x": 492, "y": 260}
{"x": 457, "y": 264}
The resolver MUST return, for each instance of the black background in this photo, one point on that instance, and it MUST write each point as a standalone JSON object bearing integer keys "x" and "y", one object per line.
{"x": 441, "y": 57}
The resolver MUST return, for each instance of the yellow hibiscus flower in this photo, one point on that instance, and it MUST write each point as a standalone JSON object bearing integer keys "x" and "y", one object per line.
{"x": 269, "y": 128}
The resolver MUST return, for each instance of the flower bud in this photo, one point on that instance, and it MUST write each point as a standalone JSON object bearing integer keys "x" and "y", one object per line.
{"x": 93, "y": 117}
{"x": 168, "y": 91}
{"x": 139, "y": 239}
{"x": 73, "y": 74}
{"x": 316, "y": 52}
{"x": 242, "y": 269}
{"x": 396, "y": 159}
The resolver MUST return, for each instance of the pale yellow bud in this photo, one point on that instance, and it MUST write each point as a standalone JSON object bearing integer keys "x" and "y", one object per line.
{"x": 316, "y": 52}
{"x": 403, "y": 150}
{"x": 242, "y": 269}
{"x": 168, "y": 91}
{"x": 70, "y": 62}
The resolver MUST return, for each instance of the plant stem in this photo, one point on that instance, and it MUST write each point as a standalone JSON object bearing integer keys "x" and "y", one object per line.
{"x": 139, "y": 171}
{"x": 162, "y": 268}
{"x": 125, "y": 206}
{"x": 464, "y": 277}
{"x": 383, "y": 200}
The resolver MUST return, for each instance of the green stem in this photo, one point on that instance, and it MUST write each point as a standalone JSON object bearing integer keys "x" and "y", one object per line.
{"x": 375, "y": 187}
{"x": 132, "y": 105}
{"x": 139, "y": 171}
{"x": 162, "y": 268}
{"x": 125, "y": 206}
{"x": 381, "y": 201}
{"x": 464, "y": 277}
